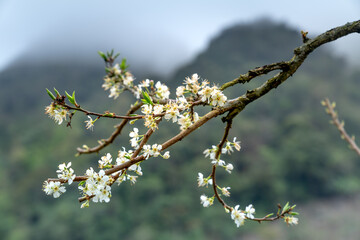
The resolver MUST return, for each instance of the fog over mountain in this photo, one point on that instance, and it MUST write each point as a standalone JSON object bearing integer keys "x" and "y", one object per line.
{"x": 156, "y": 36}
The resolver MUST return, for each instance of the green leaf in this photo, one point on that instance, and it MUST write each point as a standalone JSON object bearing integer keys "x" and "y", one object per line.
{"x": 70, "y": 98}
{"x": 102, "y": 55}
{"x": 57, "y": 92}
{"x": 294, "y": 213}
{"x": 147, "y": 99}
{"x": 82, "y": 183}
{"x": 50, "y": 94}
{"x": 118, "y": 54}
{"x": 269, "y": 215}
{"x": 73, "y": 96}
{"x": 123, "y": 65}
{"x": 286, "y": 207}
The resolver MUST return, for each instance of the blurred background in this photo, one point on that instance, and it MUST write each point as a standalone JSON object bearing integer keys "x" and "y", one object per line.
{"x": 290, "y": 152}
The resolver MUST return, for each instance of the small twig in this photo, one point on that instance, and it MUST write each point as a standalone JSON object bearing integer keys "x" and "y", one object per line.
{"x": 104, "y": 115}
{"x": 330, "y": 109}
{"x": 116, "y": 133}
{"x": 217, "y": 156}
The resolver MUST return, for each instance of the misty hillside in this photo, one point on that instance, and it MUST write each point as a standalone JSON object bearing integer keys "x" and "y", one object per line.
{"x": 289, "y": 150}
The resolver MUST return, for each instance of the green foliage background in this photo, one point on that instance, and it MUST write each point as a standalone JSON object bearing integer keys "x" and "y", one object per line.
{"x": 289, "y": 151}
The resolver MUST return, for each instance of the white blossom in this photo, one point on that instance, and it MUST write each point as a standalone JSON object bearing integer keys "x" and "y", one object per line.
{"x": 158, "y": 108}
{"x": 229, "y": 167}
{"x": 218, "y": 162}
{"x": 162, "y": 91}
{"x": 238, "y": 216}
{"x": 203, "y": 181}
{"x": 225, "y": 191}
{"x": 227, "y": 149}
{"x": 205, "y": 201}
{"x": 166, "y": 155}
{"x": 210, "y": 152}
{"x": 105, "y": 160}
{"x": 132, "y": 178}
{"x": 250, "y": 210}
{"x": 54, "y": 188}
{"x": 66, "y": 173}
{"x": 291, "y": 220}
{"x": 147, "y": 151}
{"x": 90, "y": 123}
{"x": 156, "y": 148}
{"x": 236, "y": 144}
{"x": 116, "y": 69}
{"x": 128, "y": 79}
{"x": 60, "y": 115}
{"x": 218, "y": 98}
{"x": 146, "y": 109}
{"x": 180, "y": 91}
{"x": 114, "y": 91}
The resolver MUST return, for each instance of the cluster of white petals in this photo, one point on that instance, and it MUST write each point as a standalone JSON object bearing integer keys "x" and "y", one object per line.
{"x": 57, "y": 113}
{"x": 204, "y": 181}
{"x": 135, "y": 137}
{"x": 54, "y": 188}
{"x": 238, "y": 216}
{"x": 66, "y": 173}
{"x": 206, "y": 201}
{"x": 105, "y": 161}
{"x": 291, "y": 220}
{"x": 117, "y": 80}
{"x": 97, "y": 185}
{"x": 90, "y": 123}
{"x": 162, "y": 91}
{"x": 250, "y": 210}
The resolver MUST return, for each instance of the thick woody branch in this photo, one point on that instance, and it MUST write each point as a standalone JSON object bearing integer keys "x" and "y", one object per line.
{"x": 247, "y": 77}
{"x": 300, "y": 55}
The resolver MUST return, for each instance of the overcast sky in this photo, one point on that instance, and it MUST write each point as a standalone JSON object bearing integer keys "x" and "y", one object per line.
{"x": 157, "y": 34}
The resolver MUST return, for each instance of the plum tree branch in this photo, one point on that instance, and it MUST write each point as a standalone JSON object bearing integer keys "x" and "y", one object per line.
{"x": 288, "y": 68}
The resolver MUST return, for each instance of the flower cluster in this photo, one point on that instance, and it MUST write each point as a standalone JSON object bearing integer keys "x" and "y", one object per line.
{"x": 56, "y": 112}
{"x": 105, "y": 161}
{"x": 291, "y": 220}
{"x": 206, "y": 201}
{"x": 210, "y": 95}
{"x": 238, "y": 216}
{"x": 53, "y": 188}
{"x": 66, "y": 173}
{"x": 225, "y": 150}
{"x": 117, "y": 80}
{"x": 204, "y": 181}
{"x": 97, "y": 185}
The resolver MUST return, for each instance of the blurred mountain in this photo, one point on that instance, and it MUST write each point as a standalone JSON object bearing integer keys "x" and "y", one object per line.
{"x": 289, "y": 151}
